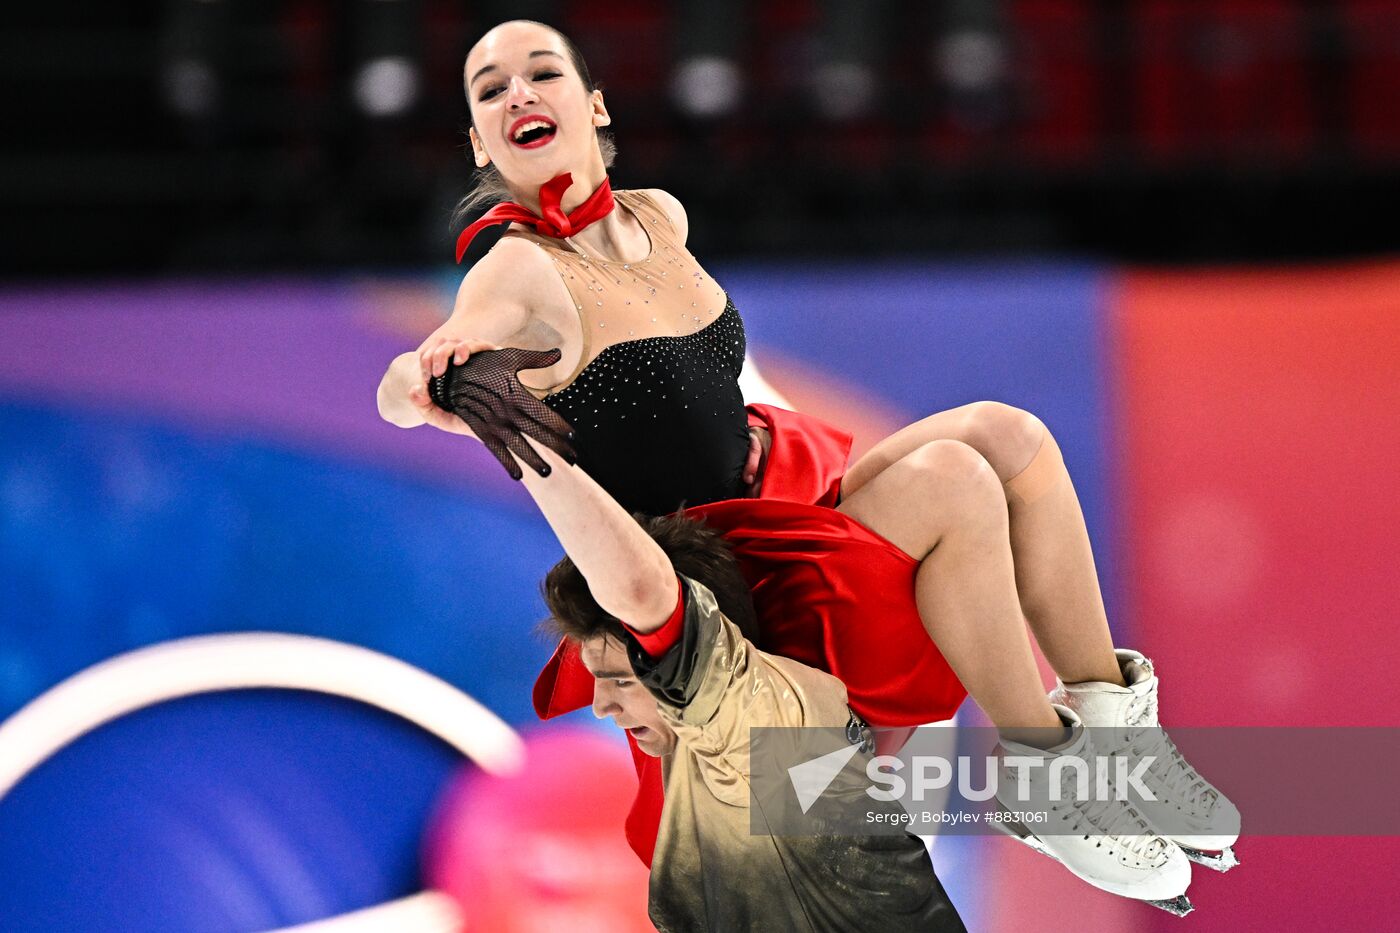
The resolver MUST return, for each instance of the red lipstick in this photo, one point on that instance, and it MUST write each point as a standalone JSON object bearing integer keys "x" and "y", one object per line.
{"x": 535, "y": 143}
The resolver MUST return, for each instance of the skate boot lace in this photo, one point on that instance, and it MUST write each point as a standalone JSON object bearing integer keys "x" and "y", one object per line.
{"x": 1118, "y": 822}
{"x": 1172, "y": 772}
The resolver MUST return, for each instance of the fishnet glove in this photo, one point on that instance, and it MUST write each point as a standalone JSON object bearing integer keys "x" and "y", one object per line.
{"x": 486, "y": 393}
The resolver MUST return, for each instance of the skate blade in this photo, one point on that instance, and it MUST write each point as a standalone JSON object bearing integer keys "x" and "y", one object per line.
{"x": 1224, "y": 860}
{"x": 1178, "y": 906}
{"x": 1024, "y": 836}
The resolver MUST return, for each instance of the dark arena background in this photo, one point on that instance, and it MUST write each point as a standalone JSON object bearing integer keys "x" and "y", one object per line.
{"x": 265, "y": 660}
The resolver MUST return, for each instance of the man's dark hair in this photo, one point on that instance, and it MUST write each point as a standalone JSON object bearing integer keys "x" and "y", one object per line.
{"x": 695, "y": 551}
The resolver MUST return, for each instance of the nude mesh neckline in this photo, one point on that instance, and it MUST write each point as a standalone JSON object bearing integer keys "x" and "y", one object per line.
{"x": 619, "y": 299}
{"x": 651, "y": 242}
{"x": 624, "y": 199}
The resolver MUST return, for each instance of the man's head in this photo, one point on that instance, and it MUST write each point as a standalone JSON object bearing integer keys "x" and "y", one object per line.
{"x": 695, "y": 552}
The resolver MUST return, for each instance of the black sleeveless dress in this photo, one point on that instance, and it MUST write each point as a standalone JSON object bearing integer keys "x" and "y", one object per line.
{"x": 660, "y": 421}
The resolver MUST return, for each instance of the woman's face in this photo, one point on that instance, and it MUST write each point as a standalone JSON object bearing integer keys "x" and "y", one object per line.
{"x": 531, "y": 115}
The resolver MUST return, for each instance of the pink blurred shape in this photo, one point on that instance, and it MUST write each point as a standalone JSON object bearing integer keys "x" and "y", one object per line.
{"x": 542, "y": 849}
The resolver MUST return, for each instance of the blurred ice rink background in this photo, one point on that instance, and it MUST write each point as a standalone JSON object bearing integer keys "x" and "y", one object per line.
{"x": 1165, "y": 227}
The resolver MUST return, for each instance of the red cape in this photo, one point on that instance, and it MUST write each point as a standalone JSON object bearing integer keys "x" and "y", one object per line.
{"x": 829, "y": 592}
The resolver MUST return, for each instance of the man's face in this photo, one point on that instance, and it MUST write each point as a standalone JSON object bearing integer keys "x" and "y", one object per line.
{"x": 617, "y": 694}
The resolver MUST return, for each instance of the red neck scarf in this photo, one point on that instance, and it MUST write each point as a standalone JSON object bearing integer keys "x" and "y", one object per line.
{"x": 555, "y": 223}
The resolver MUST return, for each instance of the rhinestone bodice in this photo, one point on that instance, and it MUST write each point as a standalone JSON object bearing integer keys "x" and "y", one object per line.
{"x": 660, "y": 420}
{"x": 655, "y": 401}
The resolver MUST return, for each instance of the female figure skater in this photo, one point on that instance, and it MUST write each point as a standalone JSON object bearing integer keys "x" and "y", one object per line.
{"x": 973, "y": 505}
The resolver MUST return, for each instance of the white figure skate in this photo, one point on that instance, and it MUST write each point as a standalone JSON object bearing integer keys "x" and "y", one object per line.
{"x": 1188, "y": 810}
{"x": 1105, "y": 842}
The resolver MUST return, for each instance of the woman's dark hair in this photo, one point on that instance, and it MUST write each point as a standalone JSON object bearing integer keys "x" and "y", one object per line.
{"x": 695, "y": 551}
{"x": 489, "y": 187}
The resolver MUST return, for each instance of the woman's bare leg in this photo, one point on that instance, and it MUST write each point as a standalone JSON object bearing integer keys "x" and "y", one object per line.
{"x": 943, "y": 505}
{"x": 1056, "y": 581}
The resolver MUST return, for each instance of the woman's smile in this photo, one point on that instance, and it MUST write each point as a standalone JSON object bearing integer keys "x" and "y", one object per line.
{"x": 532, "y": 131}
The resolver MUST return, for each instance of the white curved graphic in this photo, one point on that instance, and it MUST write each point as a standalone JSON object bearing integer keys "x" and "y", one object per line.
{"x": 250, "y": 660}
{"x": 426, "y": 912}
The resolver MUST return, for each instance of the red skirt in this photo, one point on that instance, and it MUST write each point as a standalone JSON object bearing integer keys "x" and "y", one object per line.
{"x": 828, "y": 591}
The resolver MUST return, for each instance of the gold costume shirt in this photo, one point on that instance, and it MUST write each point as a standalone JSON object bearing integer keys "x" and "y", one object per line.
{"x": 709, "y": 871}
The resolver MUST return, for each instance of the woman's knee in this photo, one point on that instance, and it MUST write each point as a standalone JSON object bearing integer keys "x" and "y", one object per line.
{"x": 1008, "y": 437}
{"x": 941, "y": 486}
{"x": 954, "y": 476}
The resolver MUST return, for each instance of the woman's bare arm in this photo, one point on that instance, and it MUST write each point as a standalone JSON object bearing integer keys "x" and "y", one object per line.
{"x": 627, "y": 572}
{"x": 496, "y": 301}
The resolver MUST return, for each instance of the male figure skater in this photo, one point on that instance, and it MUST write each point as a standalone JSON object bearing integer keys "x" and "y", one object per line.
{"x": 657, "y": 613}
{"x": 686, "y": 684}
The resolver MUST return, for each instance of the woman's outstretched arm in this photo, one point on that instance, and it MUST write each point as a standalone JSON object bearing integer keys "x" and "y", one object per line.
{"x": 494, "y": 304}
{"x": 629, "y": 575}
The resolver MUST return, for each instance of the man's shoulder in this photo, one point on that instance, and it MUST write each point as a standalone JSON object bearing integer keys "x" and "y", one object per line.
{"x": 825, "y": 694}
